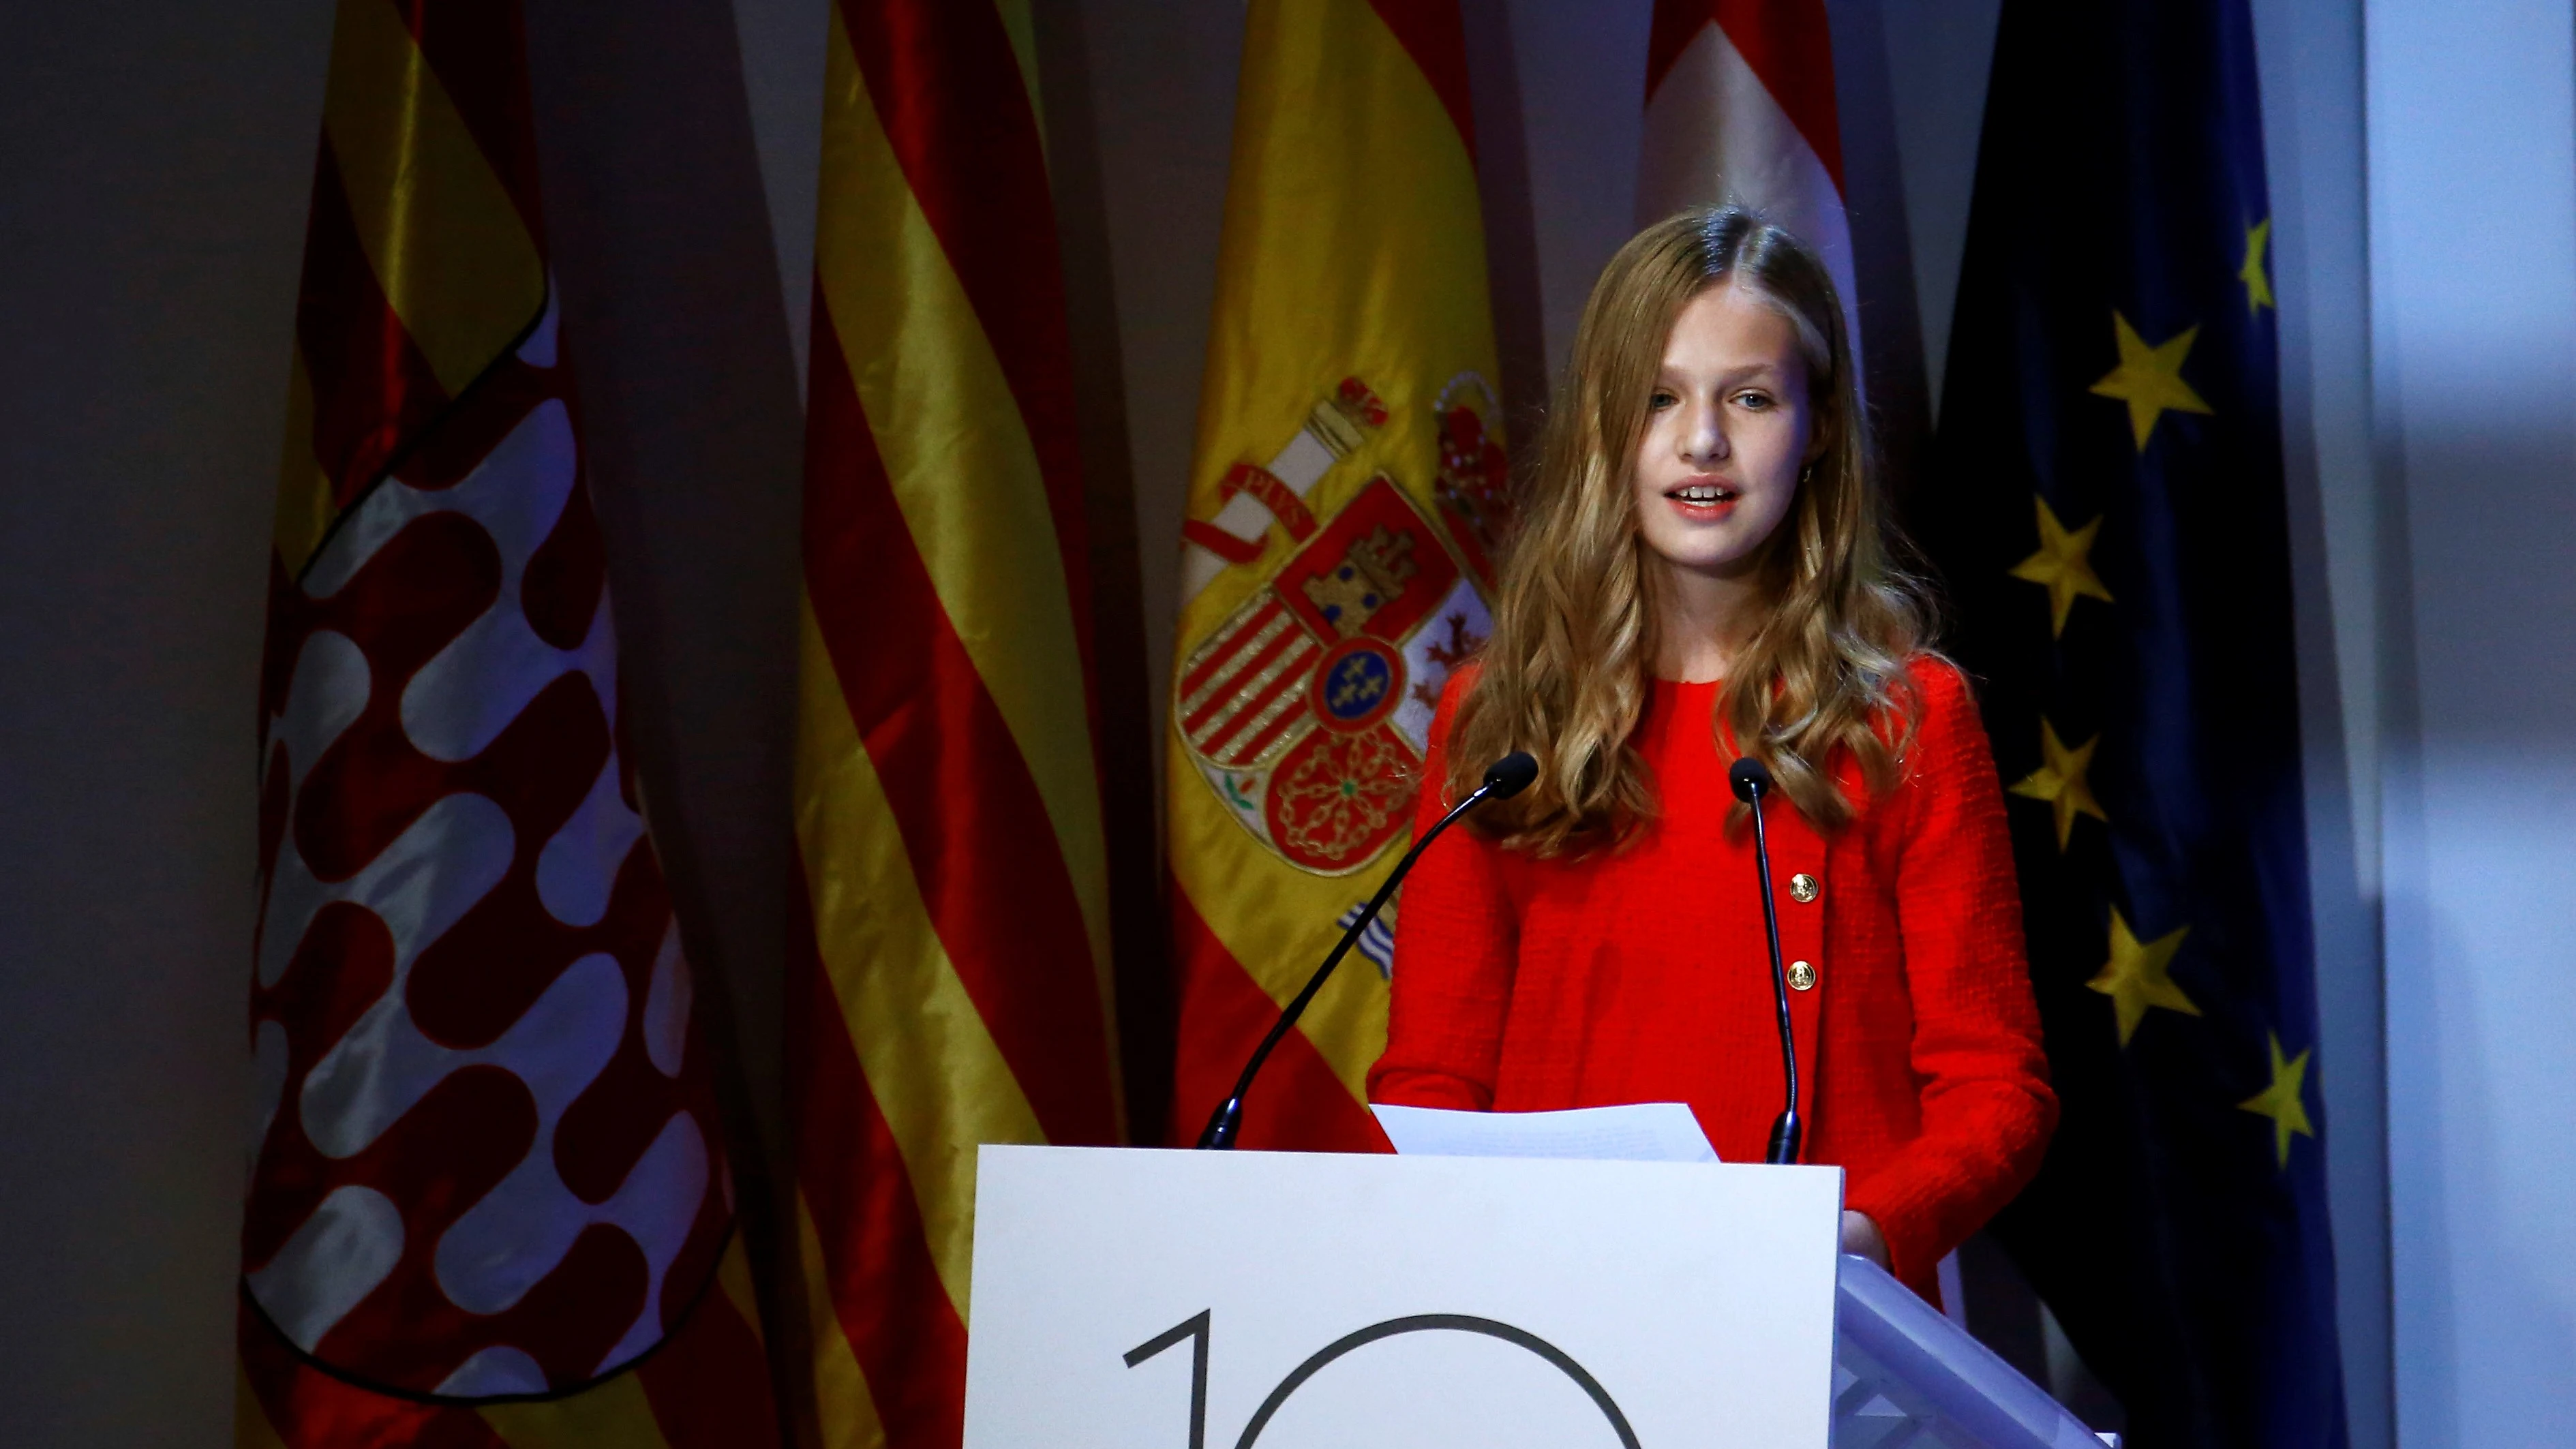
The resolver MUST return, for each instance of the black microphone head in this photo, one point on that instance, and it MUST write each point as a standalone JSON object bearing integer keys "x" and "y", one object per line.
{"x": 1750, "y": 778}
{"x": 1510, "y": 775}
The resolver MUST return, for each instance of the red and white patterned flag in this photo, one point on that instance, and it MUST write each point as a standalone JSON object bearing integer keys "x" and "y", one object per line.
{"x": 489, "y": 1201}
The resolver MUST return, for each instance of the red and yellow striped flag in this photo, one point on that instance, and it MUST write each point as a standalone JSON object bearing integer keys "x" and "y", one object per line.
{"x": 955, "y": 988}
{"x": 489, "y": 1201}
{"x": 1348, "y": 485}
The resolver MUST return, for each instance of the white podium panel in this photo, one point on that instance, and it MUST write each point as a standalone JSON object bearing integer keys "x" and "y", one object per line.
{"x": 1148, "y": 1299}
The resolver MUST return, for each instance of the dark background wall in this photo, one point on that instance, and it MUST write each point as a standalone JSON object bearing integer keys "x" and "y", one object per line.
{"x": 152, "y": 182}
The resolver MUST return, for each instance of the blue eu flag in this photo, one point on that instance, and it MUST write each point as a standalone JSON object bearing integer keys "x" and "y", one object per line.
{"x": 2105, "y": 511}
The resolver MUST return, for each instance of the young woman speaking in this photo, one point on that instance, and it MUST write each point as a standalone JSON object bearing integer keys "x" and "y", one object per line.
{"x": 1704, "y": 571}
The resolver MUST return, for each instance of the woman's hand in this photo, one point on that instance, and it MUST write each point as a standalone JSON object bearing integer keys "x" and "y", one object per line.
{"x": 1861, "y": 1236}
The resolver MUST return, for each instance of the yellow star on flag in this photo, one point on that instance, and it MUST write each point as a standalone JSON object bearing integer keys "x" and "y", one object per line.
{"x": 2149, "y": 379}
{"x": 2137, "y": 976}
{"x": 2258, "y": 283}
{"x": 2282, "y": 1102}
{"x": 2062, "y": 566}
{"x": 2060, "y": 781}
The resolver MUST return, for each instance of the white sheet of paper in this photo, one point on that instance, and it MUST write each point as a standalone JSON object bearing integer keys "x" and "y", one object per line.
{"x": 1643, "y": 1132}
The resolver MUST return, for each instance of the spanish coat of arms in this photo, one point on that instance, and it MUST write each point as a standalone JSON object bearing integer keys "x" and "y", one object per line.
{"x": 1309, "y": 709}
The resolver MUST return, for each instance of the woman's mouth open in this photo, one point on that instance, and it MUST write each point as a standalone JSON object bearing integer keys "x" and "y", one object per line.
{"x": 1702, "y": 502}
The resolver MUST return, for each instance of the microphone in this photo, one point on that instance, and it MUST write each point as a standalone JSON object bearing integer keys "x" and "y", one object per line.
{"x": 1751, "y": 782}
{"x": 1504, "y": 778}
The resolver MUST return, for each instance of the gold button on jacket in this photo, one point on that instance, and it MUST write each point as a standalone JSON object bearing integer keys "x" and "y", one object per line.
{"x": 1802, "y": 977}
{"x": 1803, "y": 888}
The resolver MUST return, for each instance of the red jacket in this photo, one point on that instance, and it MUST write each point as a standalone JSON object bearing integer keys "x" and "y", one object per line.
{"x": 1640, "y": 975}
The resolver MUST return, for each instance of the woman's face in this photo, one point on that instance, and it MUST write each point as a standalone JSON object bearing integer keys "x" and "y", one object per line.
{"x": 1728, "y": 430}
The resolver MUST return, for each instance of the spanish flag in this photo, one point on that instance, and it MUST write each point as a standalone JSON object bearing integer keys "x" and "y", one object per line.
{"x": 954, "y": 987}
{"x": 489, "y": 1202}
{"x": 1348, "y": 486}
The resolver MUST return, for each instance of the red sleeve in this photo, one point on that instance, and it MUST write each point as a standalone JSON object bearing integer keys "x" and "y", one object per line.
{"x": 1455, "y": 943}
{"x": 1986, "y": 1104}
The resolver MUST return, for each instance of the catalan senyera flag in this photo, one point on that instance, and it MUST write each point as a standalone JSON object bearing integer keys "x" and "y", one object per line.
{"x": 489, "y": 1200}
{"x": 1740, "y": 108}
{"x": 1344, "y": 503}
{"x": 955, "y": 985}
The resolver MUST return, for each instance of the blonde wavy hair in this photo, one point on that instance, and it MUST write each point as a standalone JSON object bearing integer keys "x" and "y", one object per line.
{"x": 1564, "y": 674}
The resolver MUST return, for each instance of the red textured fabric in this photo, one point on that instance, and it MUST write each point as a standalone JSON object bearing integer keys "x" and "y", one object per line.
{"x": 1640, "y": 976}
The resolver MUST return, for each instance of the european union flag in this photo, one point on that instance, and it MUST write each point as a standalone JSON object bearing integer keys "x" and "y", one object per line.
{"x": 2105, "y": 509}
